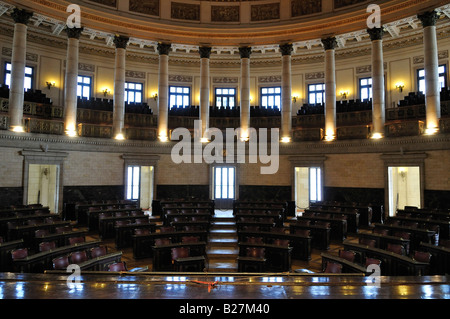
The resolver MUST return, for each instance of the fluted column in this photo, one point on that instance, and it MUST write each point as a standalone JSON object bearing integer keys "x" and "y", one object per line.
{"x": 378, "y": 96}
{"x": 205, "y": 53}
{"x": 163, "y": 92}
{"x": 330, "y": 45}
{"x": 18, "y": 63}
{"x": 245, "y": 53}
{"x": 431, "y": 64}
{"x": 286, "y": 93}
{"x": 71, "y": 81}
{"x": 121, "y": 43}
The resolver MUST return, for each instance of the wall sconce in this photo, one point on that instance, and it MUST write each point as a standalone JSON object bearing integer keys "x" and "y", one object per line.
{"x": 155, "y": 96}
{"x": 402, "y": 172}
{"x": 294, "y": 98}
{"x": 344, "y": 94}
{"x": 106, "y": 92}
{"x": 400, "y": 86}
{"x": 51, "y": 84}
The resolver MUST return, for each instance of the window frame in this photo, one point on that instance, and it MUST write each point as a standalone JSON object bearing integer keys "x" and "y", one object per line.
{"x": 82, "y": 84}
{"x": 6, "y": 72}
{"x": 420, "y": 78}
{"x": 315, "y": 92}
{"x": 222, "y": 185}
{"x": 222, "y": 96}
{"x": 268, "y": 95}
{"x": 368, "y": 87}
{"x": 188, "y": 95}
{"x": 134, "y": 91}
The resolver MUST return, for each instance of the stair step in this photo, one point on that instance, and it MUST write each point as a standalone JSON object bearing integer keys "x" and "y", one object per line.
{"x": 222, "y": 266}
{"x": 223, "y": 242}
{"x": 222, "y": 253}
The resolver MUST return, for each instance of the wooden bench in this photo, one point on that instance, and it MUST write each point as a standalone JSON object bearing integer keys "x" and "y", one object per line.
{"x": 320, "y": 234}
{"x": 352, "y": 216}
{"x": 440, "y": 258}
{"x": 338, "y": 226}
{"x": 392, "y": 264}
{"x": 277, "y": 258}
{"x": 124, "y": 233}
{"x": 347, "y": 266}
{"x": 381, "y": 241}
{"x": 162, "y": 255}
{"x": 27, "y": 232}
{"x": 5, "y": 254}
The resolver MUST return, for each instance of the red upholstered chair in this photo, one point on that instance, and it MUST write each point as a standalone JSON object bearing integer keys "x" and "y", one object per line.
{"x": 347, "y": 255}
{"x": 186, "y": 211}
{"x": 199, "y": 219}
{"x": 444, "y": 243}
{"x": 40, "y": 233}
{"x": 167, "y": 229}
{"x": 61, "y": 263}
{"x": 281, "y": 242}
{"x": 119, "y": 266}
{"x": 179, "y": 252}
{"x": 120, "y": 214}
{"x": 381, "y": 231}
{"x": 98, "y": 251}
{"x": 372, "y": 261}
{"x": 141, "y": 221}
{"x": 47, "y": 245}
{"x": 20, "y": 253}
{"x": 34, "y": 222}
{"x": 255, "y": 240}
{"x": 368, "y": 242}
{"x": 402, "y": 234}
{"x": 63, "y": 229}
{"x": 52, "y": 220}
{"x": 137, "y": 213}
{"x": 422, "y": 256}
{"x": 162, "y": 241}
{"x": 255, "y": 252}
{"x": 78, "y": 257}
{"x": 333, "y": 268}
{"x": 122, "y": 222}
{"x": 190, "y": 239}
{"x": 104, "y": 215}
{"x": 395, "y": 248}
{"x": 76, "y": 240}
{"x": 303, "y": 232}
{"x": 142, "y": 231}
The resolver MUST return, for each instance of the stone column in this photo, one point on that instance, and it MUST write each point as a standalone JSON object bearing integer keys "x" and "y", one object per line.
{"x": 330, "y": 45}
{"x": 378, "y": 95}
{"x": 286, "y": 93}
{"x": 121, "y": 43}
{"x": 245, "y": 53}
{"x": 18, "y": 63}
{"x": 163, "y": 92}
{"x": 71, "y": 81}
{"x": 432, "y": 89}
{"x": 205, "y": 53}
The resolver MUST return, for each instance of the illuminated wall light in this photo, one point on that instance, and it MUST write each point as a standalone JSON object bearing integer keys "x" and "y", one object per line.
{"x": 295, "y": 98}
{"x": 71, "y": 133}
{"x": 329, "y": 138}
{"x": 163, "y": 138}
{"x": 18, "y": 129}
{"x": 344, "y": 94}
{"x": 50, "y": 84}
{"x": 155, "y": 96}
{"x": 204, "y": 140}
{"x": 377, "y": 136}
{"x": 400, "y": 86}
{"x": 106, "y": 91}
{"x": 285, "y": 139}
{"x": 120, "y": 137}
{"x": 431, "y": 131}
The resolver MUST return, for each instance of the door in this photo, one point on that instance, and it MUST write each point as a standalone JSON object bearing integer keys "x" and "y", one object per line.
{"x": 43, "y": 186}
{"x": 224, "y": 186}
{"x": 308, "y": 186}
{"x": 404, "y": 187}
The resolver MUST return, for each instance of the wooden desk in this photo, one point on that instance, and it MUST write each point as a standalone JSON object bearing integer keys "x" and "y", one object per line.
{"x": 143, "y": 244}
{"x": 124, "y": 233}
{"x": 352, "y": 217}
{"x": 381, "y": 241}
{"x": 39, "y": 262}
{"x": 101, "y": 263}
{"x": 276, "y": 216}
{"x": 301, "y": 246}
{"x": 162, "y": 255}
{"x": 59, "y": 239}
{"x": 278, "y": 258}
{"x": 338, "y": 226}
{"x": 27, "y": 232}
{"x": 392, "y": 264}
{"x": 418, "y": 235}
{"x": 93, "y": 220}
{"x": 320, "y": 235}
{"x": 263, "y": 226}
{"x": 82, "y": 210}
{"x": 440, "y": 258}
{"x": 169, "y": 218}
{"x": 106, "y": 226}
{"x": 425, "y": 213}
{"x": 425, "y": 223}
{"x": 179, "y": 226}
{"x": 20, "y": 221}
{"x": 348, "y": 267}
{"x": 16, "y": 212}
{"x": 5, "y": 254}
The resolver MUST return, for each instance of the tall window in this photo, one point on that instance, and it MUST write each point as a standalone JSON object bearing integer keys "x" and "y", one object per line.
{"x": 224, "y": 183}
{"x": 133, "y": 174}
{"x": 29, "y": 73}
{"x": 225, "y": 97}
{"x": 365, "y": 88}
{"x": 315, "y": 187}
{"x": 84, "y": 87}
{"x": 134, "y": 92}
{"x": 316, "y": 93}
{"x": 179, "y": 96}
{"x": 442, "y": 78}
{"x": 271, "y": 97}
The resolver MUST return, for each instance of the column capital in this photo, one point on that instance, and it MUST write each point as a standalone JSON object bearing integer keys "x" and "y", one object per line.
{"x": 164, "y": 48}
{"x": 428, "y": 19}
{"x": 286, "y": 49}
{"x": 74, "y": 33}
{"x": 245, "y": 52}
{"x": 329, "y": 43}
{"x": 376, "y": 33}
{"x": 21, "y": 16}
{"x": 205, "y": 52}
{"x": 121, "y": 41}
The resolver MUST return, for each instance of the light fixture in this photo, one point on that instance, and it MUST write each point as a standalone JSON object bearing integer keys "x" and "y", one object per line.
{"x": 400, "y": 86}
{"x": 163, "y": 138}
{"x": 155, "y": 96}
{"x": 51, "y": 84}
{"x": 120, "y": 137}
{"x": 285, "y": 139}
{"x": 329, "y": 138}
{"x": 294, "y": 98}
{"x": 431, "y": 131}
{"x": 17, "y": 129}
{"x": 71, "y": 133}
{"x": 106, "y": 92}
{"x": 244, "y": 138}
{"x": 344, "y": 94}
{"x": 204, "y": 140}
{"x": 377, "y": 136}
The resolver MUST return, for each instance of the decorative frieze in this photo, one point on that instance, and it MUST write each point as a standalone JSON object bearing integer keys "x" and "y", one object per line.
{"x": 135, "y": 74}
{"x": 180, "y": 78}
{"x": 315, "y": 75}
{"x": 270, "y": 79}
{"x": 225, "y": 80}
{"x": 225, "y": 13}
{"x": 264, "y": 12}
{"x": 305, "y": 7}
{"x": 150, "y": 7}
{"x": 29, "y": 56}
{"x": 185, "y": 11}
{"x": 420, "y": 59}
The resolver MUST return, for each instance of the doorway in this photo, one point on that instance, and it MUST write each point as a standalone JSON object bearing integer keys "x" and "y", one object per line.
{"x": 404, "y": 187}
{"x": 140, "y": 186}
{"x": 224, "y": 186}
{"x": 43, "y": 186}
{"x": 308, "y": 186}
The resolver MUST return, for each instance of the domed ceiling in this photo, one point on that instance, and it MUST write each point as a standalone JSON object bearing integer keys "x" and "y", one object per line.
{"x": 228, "y": 22}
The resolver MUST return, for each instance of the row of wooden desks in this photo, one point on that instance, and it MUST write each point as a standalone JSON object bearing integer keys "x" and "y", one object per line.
{"x": 143, "y": 244}
{"x": 424, "y": 213}
{"x": 162, "y": 255}
{"x": 320, "y": 234}
{"x": 93, "y": 216}
{"x": 21, "y": 221}
{"x": 338, "y": 226}
{"x": 368, "y": 213}
{"x": 23, "y": 211}
{"x": 277, "y": 258}
{"x": 82, "y": 210}
{"x": 352, "y": 217}
{"x": 440, "y": 258}
{"x": 382, "y": 241}
{"x": 392, "y": 264}
{"x": 444, "y": 225}
{"x": 27, "y": 232}
{"x": 301, "y": 245}
{"x": 348, "y": 267}
{"x": 106, "y": 225}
